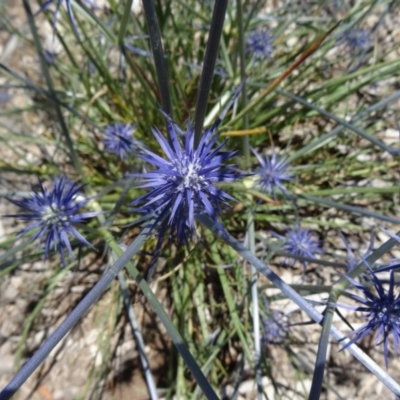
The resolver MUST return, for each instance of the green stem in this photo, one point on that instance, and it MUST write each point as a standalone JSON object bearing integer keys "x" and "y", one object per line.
{"x": 124, "y": 23}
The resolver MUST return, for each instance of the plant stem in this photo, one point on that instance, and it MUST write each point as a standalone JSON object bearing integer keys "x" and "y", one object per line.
{"x": 124, "y": 23}
{"x": 207, "y": 74}
{"x": 158, "y": 54}
{"x": 139, "y": 338}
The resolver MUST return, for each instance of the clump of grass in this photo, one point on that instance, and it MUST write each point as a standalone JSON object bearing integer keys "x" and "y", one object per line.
{"x": 328, "y": 121}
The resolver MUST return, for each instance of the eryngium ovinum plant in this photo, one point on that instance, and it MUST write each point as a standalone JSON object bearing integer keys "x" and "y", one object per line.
{"x": 136, "y": 153}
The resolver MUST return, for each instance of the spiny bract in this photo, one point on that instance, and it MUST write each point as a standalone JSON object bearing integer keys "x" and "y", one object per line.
{"x": 271, "y": 174}
{"x": 118, "y": 139}
{"x": 381, "y": 309}
{"x": 183, "y": 184}
{"x": 53, "y": 214}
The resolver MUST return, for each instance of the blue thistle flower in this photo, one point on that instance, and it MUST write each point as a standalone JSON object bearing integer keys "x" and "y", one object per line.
{"x": 272, "y": 172}
{"x": 183, "y": 184}
{"x": 118, "y": 139}
{"x": 382, "y": 310}
{"x": 259, "y": 44}
{"x": 4, "y": 96}
{"x": 47, "y": 4}
{"x": 50, "y": 57}
{"x": 355, "y": 39}
{"x": 275, "y": 327}
{"x": 301, "y": 243}
{"x": 53, "y": 214}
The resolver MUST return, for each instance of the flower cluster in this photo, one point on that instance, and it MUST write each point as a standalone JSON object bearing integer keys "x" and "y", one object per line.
{"x": 355, "y": 39}
{"x": 47, "y": 4}
{"x": 53, "y": 214}
{"x": 271, "y": 174}
{"x": 381, "y": 308}
{"x": 183, "y": 184}
{"x": 118, "y": 139}
{"x": 301, "y": 243}
{"x": 259, "y": 45}
{"x": 275, "y": 327}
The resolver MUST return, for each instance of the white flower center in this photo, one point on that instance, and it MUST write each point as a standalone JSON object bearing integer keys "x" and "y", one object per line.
{"x": 302, "y": 245}
{"x": 190, "y": 178}
{"x": 52, "y": 215}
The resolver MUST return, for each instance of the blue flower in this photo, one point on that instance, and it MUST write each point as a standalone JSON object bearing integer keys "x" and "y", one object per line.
{"x": 301, "y": 243}
{"x": 259, "y": 44}
{"x": 275, "y": 327}
{"x": 4, "y": 96}
{"x": 183, "y": 184}
{"x": 53, "y": 214}
{"x": 50, "y": 57}
{"x": 355, "y": 39}
{"x": 272, "y": 172}
{"x": 47, "y": 3}
{"x": 118, "y": 139}
{"x": 381, "y": 308}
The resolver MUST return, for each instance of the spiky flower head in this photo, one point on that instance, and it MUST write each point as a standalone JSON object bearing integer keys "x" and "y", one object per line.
{"x": 4, "y": 96}
{"x": 355, "y": 39}
{"x": 275, "y": 327}
{"x": 47, "y": 4}
{"x": 119, "y": 140}
{"x": 183, "y": 184}
{"x": 50, "y": 57}
{"x": 53, "y": 214}
{"x": 301, "y": 243}
{"x": 271, "y": 174}
{"x": 259, "y": 44}
{"x": 381, "y": 309}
